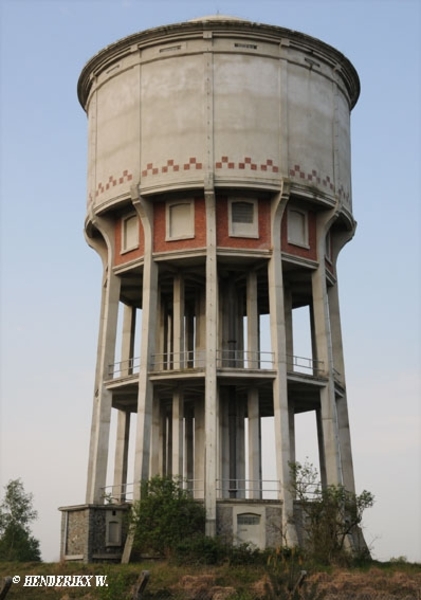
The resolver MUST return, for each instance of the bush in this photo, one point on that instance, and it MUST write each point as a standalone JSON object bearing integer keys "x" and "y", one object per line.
{"x": 329, "y": 517}
{"x": 165, "y": 516}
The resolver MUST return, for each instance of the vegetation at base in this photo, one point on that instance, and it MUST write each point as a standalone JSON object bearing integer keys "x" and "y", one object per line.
{"x": 165, "y": 515}
{"x": 330, "y": 516}
{"x": 16, "y": 513}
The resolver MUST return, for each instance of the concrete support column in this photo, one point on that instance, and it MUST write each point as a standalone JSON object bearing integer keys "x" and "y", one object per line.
{"x": 280, "y": 389}
{"x": 321, "y": 444}
{"x": 232, "y": 442}
{"x": 189, "y": 438}
{"x": 121, "y": 455}
{"x": 177, "y": 433}
{"x": 254, "y": 445}
{"x": 200, "y": 352}
{"x": 178, "y": 321}
{"x": 224, "y": 448}
{"x": 199, "y": 449}
{"x": 128, "y": 338}
{"x": 341, "y": 401}
{"x": 189, "y": 343}
{"x": 288, "y": 328}
{"x": 156, "y": 442}
{"x": 211, "y": 390}
{"x": 168, "y": 439}
{"x": 240, "y": 301}
{"x": 323, "y": 346}
{"x": 101, "y": 415}
{"x": 253, "y": 342}
{"x": 149, "y": 322}
{"x": 292, "y": 431}
{"x": 160, "y": 342}
{"x": 241, "y": 449}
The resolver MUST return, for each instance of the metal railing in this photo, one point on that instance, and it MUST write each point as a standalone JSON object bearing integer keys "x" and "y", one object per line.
{"x": 307, "y": 366}
{"x": 226, "y": 359}
{"x": 171, "y": 361}
{"x": 117, "y": 494}
{"x": 243, "y": 359}
{"x": 124, "y": 368}
{"x": 266, "y": 489}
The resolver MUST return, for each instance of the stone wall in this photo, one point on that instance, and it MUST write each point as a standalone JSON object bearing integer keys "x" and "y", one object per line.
{"x": 92, "y": 533}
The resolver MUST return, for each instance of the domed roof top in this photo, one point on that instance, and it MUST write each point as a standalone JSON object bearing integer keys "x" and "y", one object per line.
{"x": 217, "y": 17}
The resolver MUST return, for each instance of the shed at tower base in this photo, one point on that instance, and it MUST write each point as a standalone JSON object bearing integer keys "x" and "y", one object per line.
{"x": 219, "y": 198}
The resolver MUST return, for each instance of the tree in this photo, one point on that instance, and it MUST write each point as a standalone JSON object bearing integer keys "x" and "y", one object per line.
{"x": 16, "y": 514}
{"x": 330, "y": 516}
{"x": 165, "y": 515}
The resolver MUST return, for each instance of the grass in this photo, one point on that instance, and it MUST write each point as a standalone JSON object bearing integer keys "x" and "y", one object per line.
{"x": 379, "y": 581}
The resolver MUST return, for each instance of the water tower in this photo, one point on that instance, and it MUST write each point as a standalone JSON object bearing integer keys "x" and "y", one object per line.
{"x": 219, "y": 198}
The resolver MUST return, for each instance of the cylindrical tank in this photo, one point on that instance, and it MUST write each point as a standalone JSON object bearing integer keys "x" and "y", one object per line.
{"x": 218, "y": 101}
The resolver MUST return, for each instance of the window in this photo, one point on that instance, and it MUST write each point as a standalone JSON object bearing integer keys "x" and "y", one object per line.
{"x": 242, "y": 215}
{"x": 180, "y": 220}
{"x": 130, "y": 234}
{"x": 248, "y": 519}
{"x": 297, "y": 228}
{"x": 328, "y": 246}
{"x": 113, "y": 522}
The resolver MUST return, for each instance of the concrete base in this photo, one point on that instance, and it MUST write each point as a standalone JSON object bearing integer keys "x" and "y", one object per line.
{"x": 97, "y": 533}
{"x": 254, "y": 522}
{"x": 92, "y": 533}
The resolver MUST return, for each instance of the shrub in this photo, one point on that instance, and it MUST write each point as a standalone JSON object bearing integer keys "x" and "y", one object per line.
{"x": 165, "y": 516}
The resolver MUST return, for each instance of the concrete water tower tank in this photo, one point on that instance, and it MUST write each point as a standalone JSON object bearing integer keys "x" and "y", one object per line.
{"x": 219, "y": 198}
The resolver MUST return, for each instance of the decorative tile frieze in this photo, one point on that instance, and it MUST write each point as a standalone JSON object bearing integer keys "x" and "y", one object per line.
{"x": 112, "y": 182}
{"x": 314, "y": 177}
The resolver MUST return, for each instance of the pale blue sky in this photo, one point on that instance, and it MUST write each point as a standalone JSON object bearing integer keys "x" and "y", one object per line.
{"x": 50, "y": 279}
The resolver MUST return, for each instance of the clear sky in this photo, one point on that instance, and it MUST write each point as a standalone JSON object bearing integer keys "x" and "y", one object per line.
{"x": 50, "y": 279}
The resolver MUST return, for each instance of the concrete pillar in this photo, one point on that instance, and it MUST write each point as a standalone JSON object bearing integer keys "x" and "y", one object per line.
{"x": 233, "y": 432}
{"x": 288, "y": 328}
{"x": 101, "y": 416}
{"x": 156, "y": 442}
{"x": 253, "y": 342}
{"x": 160, "y": 343}
{"x": 241, "y": 448}
{"x": 199, "y": 449}
{"x": 254, "y": 445}
{"x": 149, "y": 322}
{"x": 168, "y": 440}
{"x": 189, "y": 343}
{"x": 341, "y": 401}
{"x": 121, "y": 455}
{"x": 292, "y": 431}
{"x": 200, "y": 349}
{"x": 189, "y": 446}
{"x": 321, "y": 445}
{"x": 280, "y": 390}
{"x": 323, "y": 345}
{"x": 177, "y": 433}
{"x": 178, "y": 321}
{"x": 128, "y": 339}
{"x": 224, "y": 448}
{"x": 211, "y": 390}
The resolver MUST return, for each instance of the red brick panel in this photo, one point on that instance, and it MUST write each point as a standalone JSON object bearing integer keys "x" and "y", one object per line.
{"x": 223, "y": 238}
{"x": 199, "y": 240}
{"x": 121, "y": 259}
{"x": 310, "y": 252}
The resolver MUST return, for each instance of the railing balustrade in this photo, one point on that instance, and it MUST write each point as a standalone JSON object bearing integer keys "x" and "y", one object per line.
{"x": 244, "y": 359}
{"x": 308, "y": 366}
{"x": 124, "y": 368}
{"x": 225, "y": 359}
